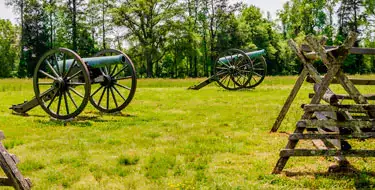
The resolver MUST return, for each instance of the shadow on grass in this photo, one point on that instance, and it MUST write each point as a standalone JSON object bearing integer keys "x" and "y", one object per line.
{"x": 111, "y": 114}
{"x": 82, "y": 121}
{"x": 26, "y": 115}
{"x": 221, "y": 89}
{"x": 53, "y": 122}
{"x": 362, "y": 179}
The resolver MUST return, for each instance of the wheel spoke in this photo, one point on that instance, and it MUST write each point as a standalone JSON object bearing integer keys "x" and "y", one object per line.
{"x": 76, "y": 83}
{"x": 66, "y": 104}
{"x": 259, "y": 75}
{"x": 70, "y": 69}
{"x": 245, "y": 71}
{"x": 52, "y": 69}
{"x": 123, "y": 69}
{"x": 107, "y": 98}
{"x": 257, "y": 64}
{"x": 230, "y": 78}
{"x": 228, "y": 61}
{"x": 96, "y": 91}
{"x": 75, "y": 74}
{"x": 101, "y": 97}
{"x": 222, "y": 68}
{"x": 75, "y": 92}
{"x": 53, "y": 98}
{"x": 120, "y": 85}
{"x": 223, "y": 78}
{"x": 64, "y": 63}
{"x": 118, "y": 92}
{"x": 123, "y": 78}
{"x": 57, "y": 64}
{"x": 59, "y": 103}
{"x": 47, "y": 75}
{"x": 224, "y": 63}
{"x": 101, "y": 70}
{"x": 221, "y": 73}
{"x": 71, "y": 98}
{"x": 106, "y": 70}
{"x": 244, "y": 65}
{"x": 114, "y": 70}
{"x": 114, "y": 97}
{"x": 45, "y": 83}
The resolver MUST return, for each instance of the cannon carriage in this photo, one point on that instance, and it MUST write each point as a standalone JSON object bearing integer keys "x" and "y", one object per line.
{"x": 64, "y": 83}
{"x": 234, "y": 70}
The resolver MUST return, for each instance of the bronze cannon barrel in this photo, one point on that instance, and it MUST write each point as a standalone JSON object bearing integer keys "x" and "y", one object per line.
{"x": 97, "y": 62}
{"x": 252, "y": 54}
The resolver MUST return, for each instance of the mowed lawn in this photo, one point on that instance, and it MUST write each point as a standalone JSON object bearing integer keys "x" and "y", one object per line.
{"x": 173, "y": 138}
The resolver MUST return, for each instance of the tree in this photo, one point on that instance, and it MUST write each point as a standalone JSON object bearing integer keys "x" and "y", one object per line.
{"x": 149, "y": 21}
{"x": 307, "y": 16}
{"x": 36, "y": 33}
{"x": 18, "y": 7}
{"x": 8, "y": 48}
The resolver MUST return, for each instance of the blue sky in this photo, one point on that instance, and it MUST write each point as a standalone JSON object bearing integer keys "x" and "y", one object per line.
{"x": 265, "y": 5}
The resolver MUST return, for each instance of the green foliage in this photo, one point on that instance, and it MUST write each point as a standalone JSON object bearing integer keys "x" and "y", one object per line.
{"x": 35, "y": 39}
{"x": 8, "y": 48}
{"x": 178, "y": 39}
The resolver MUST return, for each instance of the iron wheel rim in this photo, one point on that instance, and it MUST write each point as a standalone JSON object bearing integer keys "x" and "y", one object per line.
{"x": 233, "y": 69}
{"x": 64, "y": 81}
{"x": 259, "y": 72}
{"x": 113, "y": 91}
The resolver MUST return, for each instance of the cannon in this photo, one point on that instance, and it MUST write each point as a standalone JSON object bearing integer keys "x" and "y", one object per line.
{"x": 234, "y": 69}
{"x": 64, "y": 83}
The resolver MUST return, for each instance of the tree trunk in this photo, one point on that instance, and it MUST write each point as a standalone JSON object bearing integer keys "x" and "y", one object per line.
{"x": 74, "y": 24}
{"x": 103, "y": 24}
{"x": 205, "y": 65}
{"x": 195, "y": 66}
{"x": 22, "y": 66}
{"x": 149, "y": 64}
{"x": 22, "y": 29}
{"x": 51, "y": 25}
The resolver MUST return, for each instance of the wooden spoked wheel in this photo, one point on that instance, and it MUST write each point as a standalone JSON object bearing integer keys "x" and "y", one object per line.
{"x": 233, "y": 69}
{"x": 259, "y": 71}
{"x": 62, "y": 83}
{"x": 119, "y": 85}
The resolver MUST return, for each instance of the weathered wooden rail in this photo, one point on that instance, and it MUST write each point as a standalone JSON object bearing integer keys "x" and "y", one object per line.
{"x": 329, "y": 125}
{"x": 8, "y": 163}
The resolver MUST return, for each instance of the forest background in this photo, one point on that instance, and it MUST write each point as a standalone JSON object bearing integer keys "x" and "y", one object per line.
{"x": 180, "y": 38}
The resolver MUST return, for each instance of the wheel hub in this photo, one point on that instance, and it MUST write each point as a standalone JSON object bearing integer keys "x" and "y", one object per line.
{"x": 108, "y": 81}
{"x": 61, "y": 84}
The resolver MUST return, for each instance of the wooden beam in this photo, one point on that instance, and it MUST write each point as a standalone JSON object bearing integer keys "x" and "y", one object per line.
{"x": 311, "y": 152}
{"x": 354, "y": 81}
{"x": 349, "y": 107}
{"x": 5, "y": 182}
{"x": 332, "y": 136}
{"x": 353, "y": 50}
{"x": 347, "y": 97}
{"x": 9, "y": 167}
{"x": 289, "y": 100}
{"x": 351, "y": 124}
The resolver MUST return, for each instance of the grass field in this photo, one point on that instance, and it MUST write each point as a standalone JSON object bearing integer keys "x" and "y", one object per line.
{"x": 173, "y": 138}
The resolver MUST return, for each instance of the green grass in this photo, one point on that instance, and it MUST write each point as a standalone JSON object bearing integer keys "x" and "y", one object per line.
{"x": 173, "y": 138}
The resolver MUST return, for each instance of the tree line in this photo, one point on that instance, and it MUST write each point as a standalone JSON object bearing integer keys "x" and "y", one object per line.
{"x": 180, "y": 38}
